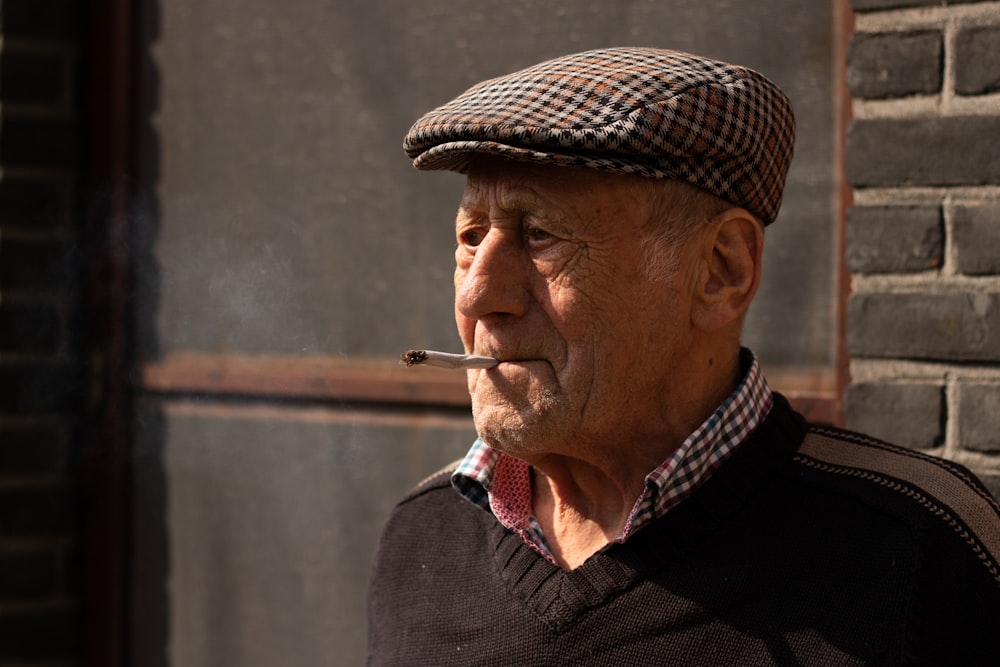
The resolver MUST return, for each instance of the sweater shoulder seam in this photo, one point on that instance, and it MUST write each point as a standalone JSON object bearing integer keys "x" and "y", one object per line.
{"x": 946, "y": 492}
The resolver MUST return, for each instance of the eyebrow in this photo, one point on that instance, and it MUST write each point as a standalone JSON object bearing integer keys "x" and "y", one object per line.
{"x": 521, "y": 200}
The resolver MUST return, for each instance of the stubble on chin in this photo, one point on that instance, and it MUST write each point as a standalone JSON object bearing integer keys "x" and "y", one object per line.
{"x": 519, "y": 429}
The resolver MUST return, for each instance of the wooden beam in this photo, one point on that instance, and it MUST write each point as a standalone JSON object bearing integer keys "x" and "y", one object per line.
{"x": 385, "y": 381}
{"x": 325, "y": 379}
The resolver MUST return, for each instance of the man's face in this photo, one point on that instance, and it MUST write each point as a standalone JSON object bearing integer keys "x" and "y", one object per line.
{"x": 550, "y": 280}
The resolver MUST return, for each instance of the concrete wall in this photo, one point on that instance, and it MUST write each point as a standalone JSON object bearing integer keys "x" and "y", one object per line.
{"x": 923, "y": 154}
{"x": 279, "y": 217}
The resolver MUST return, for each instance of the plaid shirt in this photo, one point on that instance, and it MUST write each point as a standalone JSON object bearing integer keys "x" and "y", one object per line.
{"x": 501, "y": 483}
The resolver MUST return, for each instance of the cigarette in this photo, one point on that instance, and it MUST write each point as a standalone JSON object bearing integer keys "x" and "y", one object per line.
{"x": 446, "y": 360}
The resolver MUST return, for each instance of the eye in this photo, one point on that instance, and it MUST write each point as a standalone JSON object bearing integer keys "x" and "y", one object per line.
{"x": 537, "y": 235}
{"x": 470, "y": 237}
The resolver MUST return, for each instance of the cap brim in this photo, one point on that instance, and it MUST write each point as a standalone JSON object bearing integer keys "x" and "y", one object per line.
{"x": 457, "y": 156}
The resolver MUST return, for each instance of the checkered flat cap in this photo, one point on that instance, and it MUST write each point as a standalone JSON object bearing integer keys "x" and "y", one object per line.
{"x": 649, "y": 112}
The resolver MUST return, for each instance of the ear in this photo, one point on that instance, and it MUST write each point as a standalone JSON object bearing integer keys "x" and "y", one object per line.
{"x": 730, "y": 275}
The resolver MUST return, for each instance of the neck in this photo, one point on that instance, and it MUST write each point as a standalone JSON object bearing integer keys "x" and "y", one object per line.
{"x": 583, "y": 501}
{"x": 581, "y": 507}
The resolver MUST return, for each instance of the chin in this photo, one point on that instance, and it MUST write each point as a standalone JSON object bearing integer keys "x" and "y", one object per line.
{"x": 518, "y": 432}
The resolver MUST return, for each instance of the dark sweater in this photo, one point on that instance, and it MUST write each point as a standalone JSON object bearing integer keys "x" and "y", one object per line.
{"x": 809, "y": 546}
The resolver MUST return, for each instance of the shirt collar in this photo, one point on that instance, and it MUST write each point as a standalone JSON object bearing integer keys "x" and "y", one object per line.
{"x": 673, "y": 480}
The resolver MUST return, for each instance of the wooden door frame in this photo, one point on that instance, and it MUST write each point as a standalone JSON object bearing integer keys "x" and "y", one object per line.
{"x": 108, "y": 103}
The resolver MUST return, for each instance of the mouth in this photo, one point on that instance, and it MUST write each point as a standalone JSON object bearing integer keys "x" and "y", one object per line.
{"x": 517, "y": 361}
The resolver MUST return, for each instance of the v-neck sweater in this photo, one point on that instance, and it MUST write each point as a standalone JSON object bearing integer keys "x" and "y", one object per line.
{"x": 810, "y": 545}
{"x": 501, "y": 483}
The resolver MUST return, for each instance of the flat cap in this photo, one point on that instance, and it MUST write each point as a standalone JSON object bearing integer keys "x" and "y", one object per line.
{"x": 643, "y": 111}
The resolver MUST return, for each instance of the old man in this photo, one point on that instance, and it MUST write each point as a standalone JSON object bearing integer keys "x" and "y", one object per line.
{"x": 638, "y": 495}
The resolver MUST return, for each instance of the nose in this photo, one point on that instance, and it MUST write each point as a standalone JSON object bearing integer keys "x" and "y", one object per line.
{"x": 495, "y": 279}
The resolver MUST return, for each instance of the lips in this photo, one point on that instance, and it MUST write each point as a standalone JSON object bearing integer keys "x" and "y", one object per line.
{"x": 515, "y": 359}
{"x": 522, "y": 362}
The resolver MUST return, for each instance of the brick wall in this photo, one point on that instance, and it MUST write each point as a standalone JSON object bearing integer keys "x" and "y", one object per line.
{"x": 923, "y": 156}
{"x": 38, "y": 361}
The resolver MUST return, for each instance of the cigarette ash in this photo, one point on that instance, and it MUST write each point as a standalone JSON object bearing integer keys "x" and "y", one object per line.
{"x": 413, "y": 357}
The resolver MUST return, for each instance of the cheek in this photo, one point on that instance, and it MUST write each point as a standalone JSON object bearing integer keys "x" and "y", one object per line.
{"x": 585, "y": 315}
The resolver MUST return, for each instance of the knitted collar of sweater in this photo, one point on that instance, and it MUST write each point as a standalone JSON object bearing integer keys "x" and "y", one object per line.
{"x": 559, "y": 597}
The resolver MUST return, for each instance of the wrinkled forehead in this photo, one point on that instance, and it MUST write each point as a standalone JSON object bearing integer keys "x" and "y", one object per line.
{"x": 486, "y": 174}
{"x": 576, "y": 196}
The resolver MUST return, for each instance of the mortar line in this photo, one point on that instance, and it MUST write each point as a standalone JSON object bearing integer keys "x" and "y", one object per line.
{"x": 951, "y": 407}
{"x": 948, "y": 31}
{"x": 949, "y": 262}
{"x": 910, "y": 18}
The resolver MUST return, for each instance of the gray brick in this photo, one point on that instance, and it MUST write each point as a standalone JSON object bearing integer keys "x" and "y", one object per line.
{"x": 947, "y": 327}
{"x": 870, "y": 5}
{"x": 894, "y": 239}
{"x": 41, "y": 18}
{"x": 33, "y": 448}
{"x": 977, "y": 60}
{"x": 29, "y": 327}
{"x": 923, "y": 151}
{"x": 895, "y": 64}
{"x": 911, "y": 415}
{"x": 27, "y": 573}
{"x": 35, "y": 635}
{"x": 28, "y": 387}
{"x": 36, "y": 512}
{"x": 979, "y": 417}
{"x": 28, "y": 78}
{"x": 36, "y": 265}
{"x": 976, "y": 238}
{"x": 34, "y": 203}
{"x": 39, "y": 143}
